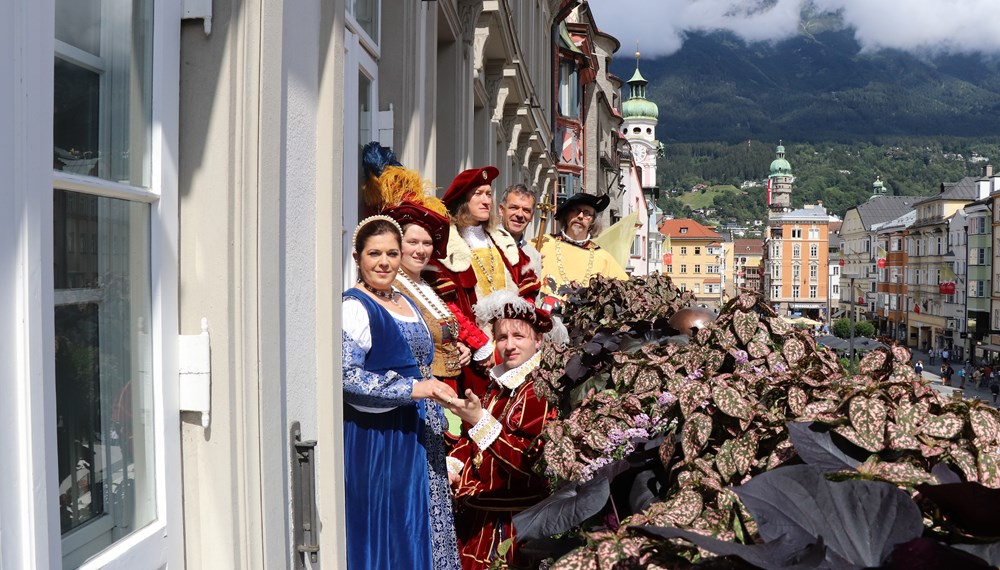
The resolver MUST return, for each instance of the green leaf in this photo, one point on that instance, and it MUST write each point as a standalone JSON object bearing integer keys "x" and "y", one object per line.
{"x": 986, "y": 426}
{"x": 945, "y": 426}
{"x": 797, "y": 400}
{"x": 868, "y": 419}
{"x": 730, "y": 402}
{"x": 965, "y": 462}
{"x": 691, "y": 395}
{"x": 989, "y": 468}
{"x": 694, "y": 435}
{"x": 872, "y": 362}
{"x": 745, "y": 325}
{"x": 793, "y": 350}
{"x": 724, "y": 461}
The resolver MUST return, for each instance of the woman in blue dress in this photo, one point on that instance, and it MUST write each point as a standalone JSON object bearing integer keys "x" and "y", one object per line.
{"x": 396, "y": 480}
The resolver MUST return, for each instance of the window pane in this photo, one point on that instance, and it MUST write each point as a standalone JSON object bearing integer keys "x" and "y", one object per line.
{"x": 103, "y": 382}
{"x": 78, "y": 23}
{"x": 365, "y": 13}
{"x": 102, "y": 115}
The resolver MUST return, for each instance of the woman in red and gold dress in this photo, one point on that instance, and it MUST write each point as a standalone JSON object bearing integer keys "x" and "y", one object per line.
{"x": 491, "y": 467}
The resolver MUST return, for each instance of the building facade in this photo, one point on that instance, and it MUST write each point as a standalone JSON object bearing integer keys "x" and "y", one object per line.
{"x": 192, "y": 180}
{"x": 697, "y": 259}
{"x": 796, "y": 263}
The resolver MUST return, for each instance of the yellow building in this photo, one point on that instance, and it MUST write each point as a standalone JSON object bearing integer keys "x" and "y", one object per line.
{"x": 695, "y": 260}
{"x": 796, "y": 253}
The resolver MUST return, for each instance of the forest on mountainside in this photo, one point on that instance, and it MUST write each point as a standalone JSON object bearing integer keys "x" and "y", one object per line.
{"x": 839, "y": 174}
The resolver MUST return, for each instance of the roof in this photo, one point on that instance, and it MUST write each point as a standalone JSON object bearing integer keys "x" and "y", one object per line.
{"x": 880, "y": 209}
{"x": 835, "y": 226}
{"x": 904, "y": 221}
{"x": 686, "y": 228}
{"x": 964, "y": 189}
{"x": 748, "y": 247}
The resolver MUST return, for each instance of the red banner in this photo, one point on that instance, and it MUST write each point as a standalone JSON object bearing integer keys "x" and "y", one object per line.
{"x": 946, "y": 288}
{"x": 881, "y": 264}
{"x": 668, "y": 258}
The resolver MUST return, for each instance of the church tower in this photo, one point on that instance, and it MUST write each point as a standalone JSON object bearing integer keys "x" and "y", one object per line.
{"x": 779, "y": 183}
{"x": 639, "y": 126}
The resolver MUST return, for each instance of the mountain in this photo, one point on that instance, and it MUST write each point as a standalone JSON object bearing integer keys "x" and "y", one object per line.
{"x": 817, "y": 86}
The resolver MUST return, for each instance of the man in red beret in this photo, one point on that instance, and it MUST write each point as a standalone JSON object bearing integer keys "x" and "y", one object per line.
{"x": 491, "y": 468}
{"x": 481, "y": 258}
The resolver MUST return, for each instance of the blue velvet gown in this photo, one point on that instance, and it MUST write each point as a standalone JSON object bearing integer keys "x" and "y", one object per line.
{"x": 398, "y": 498}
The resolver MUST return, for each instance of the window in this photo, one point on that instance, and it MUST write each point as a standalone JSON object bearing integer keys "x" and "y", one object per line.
{"x": 813, "y": 291}
{"x": 110, "y": 444}
{"x": 697, "y": 269}
{"x": 569, "y": 184}
{"x": 670, "y": 269}
{"x": 813, "y": 272}
{"x": 684, "y": 250}
{"x": 684, "y": 268}
{"x": 813, "y": 251}
{"x": 364, "y": 14}
{"x": 836, "y": 270}
{"x": 775, "y": 271}
{"x": 978, "y": 225}
{"x": 977, "y": 288}
{"x": 795, "y": 291}
{"x": 979, "y": 255}
{"x": 796, "y": 233}
{"x": 796, "y": 251}
{"x": 684, "y": 230}
{"x": 697, "y": 288}
{"x": 697, "y": 251}
{"x": 813, "y": 233}
{"x": 796, "y": 272}
{"x": 711, "y": 269}
{"x": 776, "y": 250}
{"x": 895, "y": 244}
{"x": 569, "y": 89}
{"x": 776, "y": 291}
{"x": 636, "y": 247}
{"x": 712, "y": 288}
{"x": 835, "y": 290}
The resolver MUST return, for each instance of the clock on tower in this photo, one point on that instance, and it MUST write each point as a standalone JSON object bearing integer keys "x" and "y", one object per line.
{"x": 639, "y": 151}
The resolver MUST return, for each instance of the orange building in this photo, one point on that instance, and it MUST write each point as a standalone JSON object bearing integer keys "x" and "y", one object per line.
{"x": 796, "y": 254}
{"x": 695, "y": 260}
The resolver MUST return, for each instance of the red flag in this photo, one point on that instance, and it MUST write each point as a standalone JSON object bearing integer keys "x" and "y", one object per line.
{"x": 769, "y": 181}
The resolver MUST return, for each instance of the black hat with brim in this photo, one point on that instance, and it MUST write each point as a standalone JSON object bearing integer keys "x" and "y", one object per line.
{"x": 598, "y": 203}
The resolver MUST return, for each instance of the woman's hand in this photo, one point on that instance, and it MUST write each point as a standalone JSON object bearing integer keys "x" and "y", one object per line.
{"x": 470, "y": 410}
{"x": 433, "y": 388}
{"x": 464, "y": 354}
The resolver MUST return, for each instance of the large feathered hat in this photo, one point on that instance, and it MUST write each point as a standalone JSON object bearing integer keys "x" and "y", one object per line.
{"x": 403, "y": 195}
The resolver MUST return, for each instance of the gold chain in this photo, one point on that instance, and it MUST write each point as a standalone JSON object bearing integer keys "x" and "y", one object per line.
{"x": 562, "y": 270}
{"x": 493, "y": 267}
{"x": 434, "y": 304}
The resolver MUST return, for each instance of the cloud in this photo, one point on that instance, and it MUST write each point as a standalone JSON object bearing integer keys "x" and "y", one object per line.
{"x": 926, "y": 26}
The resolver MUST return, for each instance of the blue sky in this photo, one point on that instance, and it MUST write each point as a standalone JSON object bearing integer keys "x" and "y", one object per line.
{"x": 926, "y": 26}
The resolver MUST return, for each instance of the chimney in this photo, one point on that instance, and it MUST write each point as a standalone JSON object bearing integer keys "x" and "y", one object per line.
{"x": 987, "y": 171}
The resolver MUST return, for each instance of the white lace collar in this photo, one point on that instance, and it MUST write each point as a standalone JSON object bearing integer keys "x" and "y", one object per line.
{"x": 475, "y": 236}
{"x": 512, "y": 379}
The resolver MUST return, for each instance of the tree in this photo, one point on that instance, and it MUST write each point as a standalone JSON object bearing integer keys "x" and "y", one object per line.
{"x": 842, "y": 328}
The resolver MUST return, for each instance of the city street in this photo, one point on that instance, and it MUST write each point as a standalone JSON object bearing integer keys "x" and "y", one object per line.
{"x": 932, "y": 373}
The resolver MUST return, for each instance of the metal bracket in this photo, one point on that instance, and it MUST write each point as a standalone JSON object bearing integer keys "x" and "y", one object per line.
{"x": 305, "y": 516}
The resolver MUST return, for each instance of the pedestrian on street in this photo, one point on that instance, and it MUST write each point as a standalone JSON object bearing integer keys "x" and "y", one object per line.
{"x": 946, "y": 373}
{"x": 919, "y": 368}
{"x": 944, "y": 355}
{"x": 961, "y": 378}
{"x": 930, "y": 356}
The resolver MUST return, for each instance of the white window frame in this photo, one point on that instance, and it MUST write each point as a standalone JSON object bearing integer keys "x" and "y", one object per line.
{"x": 30, "y": 518}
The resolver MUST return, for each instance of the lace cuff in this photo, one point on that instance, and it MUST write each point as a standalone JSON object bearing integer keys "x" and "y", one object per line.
{"x": 485, "y": 432}
{"x": 454, "y": 465}
{"x": 483, "y": 353}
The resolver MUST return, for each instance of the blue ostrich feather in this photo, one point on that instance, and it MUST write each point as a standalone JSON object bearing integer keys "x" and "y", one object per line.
{"x": 375, "y": 157}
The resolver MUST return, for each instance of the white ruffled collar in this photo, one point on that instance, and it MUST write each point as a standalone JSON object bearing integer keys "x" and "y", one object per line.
{"x": 512, "y": 379}
{"x": 578, "y": 242}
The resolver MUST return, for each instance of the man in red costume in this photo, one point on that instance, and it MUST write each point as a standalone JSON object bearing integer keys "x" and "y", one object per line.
{"x": 482, "y": 258}
{"x": 491, "y": 467}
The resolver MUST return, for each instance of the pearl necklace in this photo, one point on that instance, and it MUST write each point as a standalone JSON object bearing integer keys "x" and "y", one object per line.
{"x": 562, "y": 269}
{"x": 391, "y": 296}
